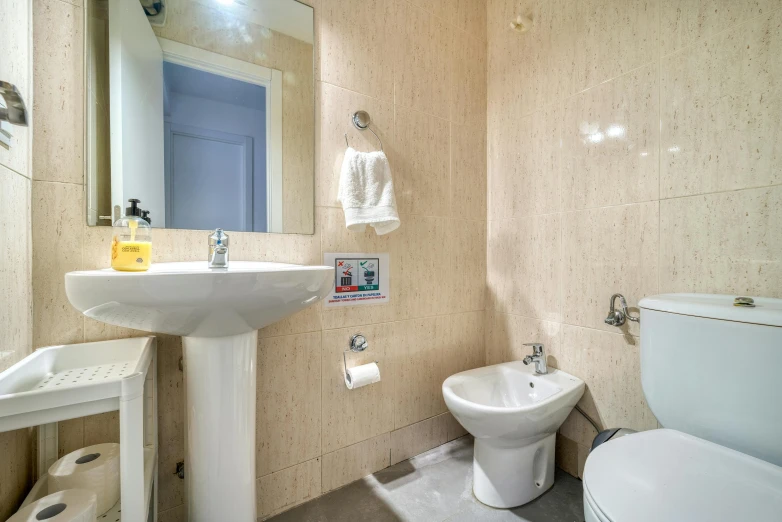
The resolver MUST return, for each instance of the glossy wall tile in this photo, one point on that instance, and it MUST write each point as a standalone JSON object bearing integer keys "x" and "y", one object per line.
{"x": 395, "y": 60}
{"x": 651, "y": 167}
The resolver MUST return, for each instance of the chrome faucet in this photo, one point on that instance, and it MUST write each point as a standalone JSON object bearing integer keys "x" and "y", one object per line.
{"x": 618, "y": 317}
{"x": 218, "y": 249}
{"x": 538, "y": 357}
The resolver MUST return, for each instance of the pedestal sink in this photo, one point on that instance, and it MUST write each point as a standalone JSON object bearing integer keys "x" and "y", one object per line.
{"x": 218, "y": 313}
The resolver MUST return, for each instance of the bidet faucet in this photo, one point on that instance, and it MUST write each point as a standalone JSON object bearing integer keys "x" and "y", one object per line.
{"x": 218, "y": 249}
{"x": 538, "y": 357}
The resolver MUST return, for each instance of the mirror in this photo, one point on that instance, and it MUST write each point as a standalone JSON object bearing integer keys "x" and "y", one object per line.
{"x": 204, "y": 110}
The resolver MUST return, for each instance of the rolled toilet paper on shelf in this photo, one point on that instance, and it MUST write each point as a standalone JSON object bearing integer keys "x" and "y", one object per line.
{"x": 94, "y": 468}
{"x": 359, "y": 376}
{"x": 71, "y": 505}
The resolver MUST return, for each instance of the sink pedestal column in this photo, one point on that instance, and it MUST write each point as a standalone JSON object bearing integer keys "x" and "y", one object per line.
{"x": 220, "y": 375}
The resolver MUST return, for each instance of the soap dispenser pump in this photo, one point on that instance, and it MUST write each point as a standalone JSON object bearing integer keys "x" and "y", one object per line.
{"x": 131, "y": 244}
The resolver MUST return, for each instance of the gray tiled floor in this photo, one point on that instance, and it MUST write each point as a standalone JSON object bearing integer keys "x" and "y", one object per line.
{"x": 434, "y": 487}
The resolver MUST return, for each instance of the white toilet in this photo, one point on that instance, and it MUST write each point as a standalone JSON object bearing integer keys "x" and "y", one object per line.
{"x": 514, "y": 413}
{"x": 712, "y": 374}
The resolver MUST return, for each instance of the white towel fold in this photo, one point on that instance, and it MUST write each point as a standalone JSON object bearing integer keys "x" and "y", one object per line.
{"x": 366, "y": 191}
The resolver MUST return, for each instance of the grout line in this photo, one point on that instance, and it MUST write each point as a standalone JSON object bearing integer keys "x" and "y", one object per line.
{"x": 319, "y": 457}
{"x": 563, "y": 323}
{"x": 659, "y": 148}
{"x": 56, "y": 181}
{"x": 656, "y": 200}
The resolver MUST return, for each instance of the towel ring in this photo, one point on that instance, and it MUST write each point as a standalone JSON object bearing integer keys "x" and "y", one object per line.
{"x": 361, "y": 121}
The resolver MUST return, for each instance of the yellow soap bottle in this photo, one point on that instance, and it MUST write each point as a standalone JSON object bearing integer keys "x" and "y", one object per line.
{"x": 131, "y": 244}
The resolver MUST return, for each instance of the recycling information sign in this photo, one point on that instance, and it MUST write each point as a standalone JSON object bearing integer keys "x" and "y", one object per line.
{"x": 359, "y": 279}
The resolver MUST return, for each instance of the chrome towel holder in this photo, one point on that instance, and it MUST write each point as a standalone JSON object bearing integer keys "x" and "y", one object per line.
{"x": 361, "y": 121}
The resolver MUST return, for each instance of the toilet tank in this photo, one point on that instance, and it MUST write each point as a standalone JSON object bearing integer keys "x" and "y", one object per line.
{"x": 714, "y": 370}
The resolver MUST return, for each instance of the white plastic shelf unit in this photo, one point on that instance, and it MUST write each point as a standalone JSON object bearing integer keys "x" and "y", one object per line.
{"x": 65, "y": 382}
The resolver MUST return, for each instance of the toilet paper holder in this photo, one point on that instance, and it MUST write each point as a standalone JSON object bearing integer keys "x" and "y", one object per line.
{"x": 358, "y": 343}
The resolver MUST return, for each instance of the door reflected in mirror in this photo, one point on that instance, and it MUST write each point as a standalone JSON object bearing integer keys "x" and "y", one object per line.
{"x": 204, "y": 111}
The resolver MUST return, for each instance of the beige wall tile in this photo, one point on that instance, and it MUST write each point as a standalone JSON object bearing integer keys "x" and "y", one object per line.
{"x": 358, "y": 73}
{"x": 610, "y": 143}
{"x": 289, "y": 401}
{"x": 570, "y": 456}
{"x": 566, "y": 455}
{"x": 308, "y": 320}
{"x": 423, "y": 250}
{"x": 336, "y": 109}
{"x": 464, "y": 348}
{"x": 726, "y": 243}
{"x": 524, "y": 163}
{"x": 58, "y": 107}
{"x": 524, "y": 266}
{"x": 466, "y": 256}
{"x": 177, "y": 514}
{"x": 16, "y": 469}
{"x": 468, "y": 79}
{"x": 101, "y": 428}
{"x": 533, "y": 69}
{"x": 469, "y": 16}
{"x": 417, "y": 438}
{"x": 684, "y": 21}
{"x": 353, "y": 462}
{"x": 420, "y": 162}
{"x": 357, "y": 52}
{"x": 418, "y": 369}
{"x": 15, "y": 271}
{"x": 58, "y": 221}
{"x": 453, "y": 429}
{"x": 15, "y": 68}
{"x": 350, "y": 416}
{"x": 422, "y": 65}
{"x": 606, "y": 251}
{"x": 507, "y": 334}
{"x": 289, "y": 487}
{"x": 721, "y": 103}
{"x": 468, "y": 172}
{"x": 439, "y": 8}
{"x": 70, "y": 436}
{"x": 614, "y": 37}
{"x": 612, "y": 398}
{"x": 171, "y": 421}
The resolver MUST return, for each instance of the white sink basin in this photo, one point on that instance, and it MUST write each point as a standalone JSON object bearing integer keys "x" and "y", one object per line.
{"x": 191, "y": 299}
{"x": 218, "y": 312}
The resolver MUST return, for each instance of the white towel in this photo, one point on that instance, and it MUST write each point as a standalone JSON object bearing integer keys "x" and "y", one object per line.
{"x": 366, "y": 191}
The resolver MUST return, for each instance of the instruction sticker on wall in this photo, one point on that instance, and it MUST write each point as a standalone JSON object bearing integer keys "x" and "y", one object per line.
{"x": 359, "y": 279}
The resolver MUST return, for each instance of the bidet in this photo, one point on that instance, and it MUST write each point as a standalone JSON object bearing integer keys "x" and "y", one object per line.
{"x": 513, "y": 413}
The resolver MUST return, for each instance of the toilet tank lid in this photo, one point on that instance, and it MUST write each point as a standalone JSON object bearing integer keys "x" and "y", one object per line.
{"x": 668, "y": 475}
{"x": 767, "y": 311}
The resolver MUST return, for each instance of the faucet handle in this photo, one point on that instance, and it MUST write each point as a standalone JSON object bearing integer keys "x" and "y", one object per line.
{"x": 537, "y": 348}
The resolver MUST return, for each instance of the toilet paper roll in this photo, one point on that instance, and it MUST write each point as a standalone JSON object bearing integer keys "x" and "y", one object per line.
{"x": 362, "y": 375}
{"x": 71, "y": 505}
{"x": 94, "y": 468}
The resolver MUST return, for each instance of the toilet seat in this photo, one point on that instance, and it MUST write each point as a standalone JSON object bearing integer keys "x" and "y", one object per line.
{"x": 669, "y": 475}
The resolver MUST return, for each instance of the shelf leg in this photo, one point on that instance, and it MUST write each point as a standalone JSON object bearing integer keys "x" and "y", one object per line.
{"x": 131, "y": 438}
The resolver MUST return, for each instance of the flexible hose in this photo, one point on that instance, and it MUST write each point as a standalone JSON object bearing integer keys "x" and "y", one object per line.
{"x": 587, "y": 417}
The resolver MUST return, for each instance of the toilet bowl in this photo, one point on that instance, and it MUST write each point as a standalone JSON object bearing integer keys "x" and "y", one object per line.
{"x": 514, "y": 414}
{"x": 719, "y": 460}
{"x": 669, "y": 475}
